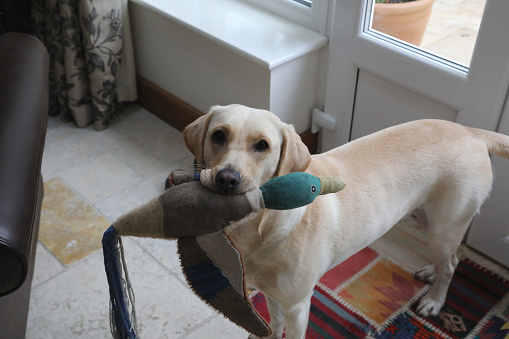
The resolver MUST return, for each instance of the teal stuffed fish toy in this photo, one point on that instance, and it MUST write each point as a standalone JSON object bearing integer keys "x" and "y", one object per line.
{"x": 194, "y": 215}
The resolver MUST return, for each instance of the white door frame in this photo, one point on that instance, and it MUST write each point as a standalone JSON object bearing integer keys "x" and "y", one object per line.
{"x": 489, "y": 232}
{"x": 478, "y": 93}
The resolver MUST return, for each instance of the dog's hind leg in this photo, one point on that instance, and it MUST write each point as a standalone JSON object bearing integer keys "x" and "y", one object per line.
{"x": 432, "y": 302}
{"x": 427, "y": 274}
{"x": 448, "y": 220}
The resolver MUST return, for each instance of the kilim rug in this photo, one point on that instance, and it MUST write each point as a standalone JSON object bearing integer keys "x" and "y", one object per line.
{"x": 370, "y": 296}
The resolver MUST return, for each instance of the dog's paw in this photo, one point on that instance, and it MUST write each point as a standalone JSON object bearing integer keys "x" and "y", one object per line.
{"x": 428, "y": 307}
{"x": 427, "y": 274}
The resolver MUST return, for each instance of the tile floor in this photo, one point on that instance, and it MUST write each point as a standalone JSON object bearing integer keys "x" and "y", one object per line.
{"x": 90, "y": 179}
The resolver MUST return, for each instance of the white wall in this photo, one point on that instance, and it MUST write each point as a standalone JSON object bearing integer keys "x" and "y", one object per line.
{"x": 192, "y": 67}
{"x": 203, "y": 71}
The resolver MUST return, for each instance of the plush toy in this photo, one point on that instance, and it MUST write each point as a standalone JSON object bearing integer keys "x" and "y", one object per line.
{"x": 195, "y": 215}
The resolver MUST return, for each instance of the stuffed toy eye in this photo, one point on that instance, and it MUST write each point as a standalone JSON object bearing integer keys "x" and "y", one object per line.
{"x": 313, "y": 189}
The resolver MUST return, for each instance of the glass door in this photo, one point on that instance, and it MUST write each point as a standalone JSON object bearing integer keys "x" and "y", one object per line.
{"x": 376, "y": 79}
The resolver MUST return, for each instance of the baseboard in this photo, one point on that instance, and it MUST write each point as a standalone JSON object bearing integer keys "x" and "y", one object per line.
{"x": 310, "y": 140}
{"x": 179, "y": 114}
{"x": 164, "y": 105}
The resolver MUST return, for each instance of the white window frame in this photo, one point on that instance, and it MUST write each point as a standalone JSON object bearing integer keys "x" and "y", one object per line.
{"x": 313, "y": 17}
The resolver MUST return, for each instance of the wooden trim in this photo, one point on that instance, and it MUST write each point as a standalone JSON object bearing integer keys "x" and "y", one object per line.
{"x": 164, "y": 105}
{"x": 310, "y": 140}
{"x": 179, "y": 114}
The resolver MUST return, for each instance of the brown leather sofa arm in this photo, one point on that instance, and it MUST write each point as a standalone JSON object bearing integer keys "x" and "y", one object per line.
{"x": 23, "y": 118}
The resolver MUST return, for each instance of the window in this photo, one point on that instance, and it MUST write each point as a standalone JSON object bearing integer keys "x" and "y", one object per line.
{"x": 446, "y": 28}
{"x": 308, "y": 13}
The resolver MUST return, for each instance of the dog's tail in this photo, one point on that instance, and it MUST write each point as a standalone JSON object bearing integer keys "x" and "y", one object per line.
{"x": 497, "y": 143}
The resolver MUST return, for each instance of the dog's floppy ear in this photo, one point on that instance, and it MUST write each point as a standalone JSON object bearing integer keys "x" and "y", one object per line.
{"x": 194, "y": 136}
{"x": 295, "y": 155}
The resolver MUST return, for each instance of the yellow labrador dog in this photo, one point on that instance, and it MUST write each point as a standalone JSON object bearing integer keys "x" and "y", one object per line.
{"x": 438, "y": 167}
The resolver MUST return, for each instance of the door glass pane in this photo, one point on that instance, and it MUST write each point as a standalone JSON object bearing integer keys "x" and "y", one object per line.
{"x": 447, "y": 28}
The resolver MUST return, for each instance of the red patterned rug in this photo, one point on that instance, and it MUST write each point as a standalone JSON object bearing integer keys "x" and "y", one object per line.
{"x": 369, "y": 296}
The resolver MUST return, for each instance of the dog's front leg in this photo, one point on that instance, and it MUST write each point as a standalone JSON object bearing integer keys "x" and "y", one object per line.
{"x": 296, "y": 319}
{"x": 277, "y": 319}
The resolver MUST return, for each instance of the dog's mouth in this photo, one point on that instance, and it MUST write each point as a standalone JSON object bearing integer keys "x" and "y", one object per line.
{"x": 225, "y": 181}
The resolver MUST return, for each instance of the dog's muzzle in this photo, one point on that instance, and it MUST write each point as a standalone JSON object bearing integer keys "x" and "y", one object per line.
{"x": 228, "y": 180}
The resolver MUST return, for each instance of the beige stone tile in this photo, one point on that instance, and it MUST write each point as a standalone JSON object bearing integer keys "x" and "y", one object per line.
{"x": 186, "y": 164}
{"x": 55, "y": 123}
{"x": 164, "y": 251}
{"x": 142, "y": 141}
{"x": 131, "y": 197}
{"x": 66, "y": 147}
{"x": 106, "y": 168}
{"x": 46, "y": 266}
{"x": 165, "y": 306}
{"x": 177, "y": 271}
{"x": 218, "y": 327}
{"x": 75, "y": 304}
{"x": 70, "y": 228}
{"x": 141, "y": 192}
{"x": 100, "y": 178}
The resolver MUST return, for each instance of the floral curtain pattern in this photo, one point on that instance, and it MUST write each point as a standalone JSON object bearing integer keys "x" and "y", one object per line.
{"x": 86, "y": 43}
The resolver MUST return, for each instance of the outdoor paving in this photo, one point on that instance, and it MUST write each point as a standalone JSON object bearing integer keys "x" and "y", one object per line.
{"x": 452, "y": 28}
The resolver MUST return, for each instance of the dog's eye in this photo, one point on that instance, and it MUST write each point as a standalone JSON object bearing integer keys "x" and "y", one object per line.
{"x": 219, "y": 137}
{"x": 262, "y": 146}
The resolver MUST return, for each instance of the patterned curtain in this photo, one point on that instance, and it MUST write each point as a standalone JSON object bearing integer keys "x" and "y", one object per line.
{"x": 91, "y": 61}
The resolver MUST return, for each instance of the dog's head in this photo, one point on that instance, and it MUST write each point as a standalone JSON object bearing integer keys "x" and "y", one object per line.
{"x": 244, "y": 147}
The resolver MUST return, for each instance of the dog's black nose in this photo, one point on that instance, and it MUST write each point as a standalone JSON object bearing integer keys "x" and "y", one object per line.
{"x": 228, "y": 180}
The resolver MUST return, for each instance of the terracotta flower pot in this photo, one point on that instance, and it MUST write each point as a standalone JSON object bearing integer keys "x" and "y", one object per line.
{"x": 406, "y": 21}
